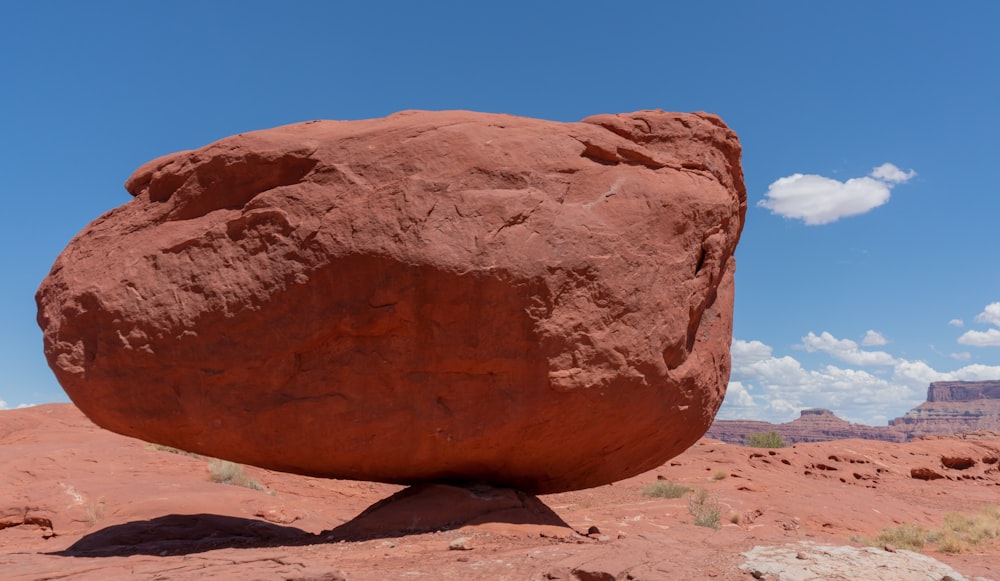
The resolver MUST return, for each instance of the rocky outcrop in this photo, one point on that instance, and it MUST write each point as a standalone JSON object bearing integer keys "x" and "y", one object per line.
{"x": 953, "y": 407}
{"x": 812, "y": 425}
{"x": 429, "y": 296}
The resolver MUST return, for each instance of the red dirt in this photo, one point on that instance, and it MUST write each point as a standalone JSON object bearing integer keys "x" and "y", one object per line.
{"x": 80, "y": 502}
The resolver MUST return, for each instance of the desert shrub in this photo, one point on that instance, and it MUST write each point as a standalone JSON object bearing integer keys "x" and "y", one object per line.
{"x": 906, "y": 536}
{"x": 226, "y": 472}
{"x": 958, "y": 533}
{"x": 765, "y": 440}
{"x": 719, "y": 475}
{"x": 664, "y": 489}
{"x": 948, "y": 542}
{"x": 962, "y": 531}
{"x": 704, "y": 509}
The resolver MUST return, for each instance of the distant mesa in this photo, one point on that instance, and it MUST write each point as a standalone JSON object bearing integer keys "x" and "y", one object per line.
{"x": 959, "y": 391}
{"x": 431, "y": 296}
{"x": 812, "y": 425}
{"x": 952, "y": 407}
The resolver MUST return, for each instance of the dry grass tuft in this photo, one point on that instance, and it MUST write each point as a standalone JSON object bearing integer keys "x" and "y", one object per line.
{"x": 664, "y": 489}
{"x": 226, "y": 472}
{"x": 704, "y": 509}
{"x": 957, "y": 534}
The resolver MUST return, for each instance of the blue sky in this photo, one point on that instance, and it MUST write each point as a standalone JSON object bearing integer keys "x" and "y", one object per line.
{"x": 858, "y": 282}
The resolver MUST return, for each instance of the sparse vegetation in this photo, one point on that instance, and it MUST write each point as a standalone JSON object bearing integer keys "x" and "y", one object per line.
{"x": 958, "y": 533}
{"x": 765, "y": 440}
{"x": 664, "y": 489}
{"x": 704, "y": 509}
{"x": 221, "y": 471}
{"x": 172, "y": 450}
{"x": 226, "y": 472}
{"x": 906, "y": 536}
{"x": 719, "y": 475}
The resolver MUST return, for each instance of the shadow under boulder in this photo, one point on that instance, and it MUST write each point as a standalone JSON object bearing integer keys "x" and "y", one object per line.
{"x": 421, "y": 508}
{"x": 424, "y": 508}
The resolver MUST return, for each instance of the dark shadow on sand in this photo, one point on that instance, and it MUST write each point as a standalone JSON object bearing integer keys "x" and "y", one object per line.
{"x": 183, "y": 534}
{"x": 418, "y": 509}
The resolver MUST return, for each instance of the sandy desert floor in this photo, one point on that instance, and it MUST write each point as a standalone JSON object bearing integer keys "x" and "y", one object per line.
{"x": 78, "y": 502}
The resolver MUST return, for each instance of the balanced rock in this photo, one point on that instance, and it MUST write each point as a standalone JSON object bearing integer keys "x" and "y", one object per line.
{"x": 431, "y": 296}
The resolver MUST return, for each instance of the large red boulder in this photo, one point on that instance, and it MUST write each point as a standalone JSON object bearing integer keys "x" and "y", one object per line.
{"x": 429, "y": 296}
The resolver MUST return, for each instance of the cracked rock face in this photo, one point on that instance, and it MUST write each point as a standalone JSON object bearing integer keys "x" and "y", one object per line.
{"x": 428, "y": 296}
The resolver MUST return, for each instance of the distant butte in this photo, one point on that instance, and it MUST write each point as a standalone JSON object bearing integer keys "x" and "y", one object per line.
{"x": 952, "y": 407}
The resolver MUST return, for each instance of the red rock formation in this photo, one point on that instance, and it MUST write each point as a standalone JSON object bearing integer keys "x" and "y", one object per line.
{"x": 956, "y": 391}
{"x": 428, "y": 296}
{"x": 812, "y": 425}
{"x": 953, "y": 407}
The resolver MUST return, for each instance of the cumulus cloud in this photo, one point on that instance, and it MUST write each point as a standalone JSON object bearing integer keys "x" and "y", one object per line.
{"x": 873, "y": 338}
{"x": 739, "y": 402}
{"x": 956, "y": 323}
{"x": 987, "y": 338}
{"x": 990, "y": 315}
{"x": 890, "y": 173}
{"x": 817, "y": 200}
{"x": 3, "y": 405}
{"x": 766, "y": 386}
{"x": 846, "y": 350}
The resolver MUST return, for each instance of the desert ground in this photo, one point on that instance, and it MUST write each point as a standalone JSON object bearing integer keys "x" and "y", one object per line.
{"x": 79, "y": 502}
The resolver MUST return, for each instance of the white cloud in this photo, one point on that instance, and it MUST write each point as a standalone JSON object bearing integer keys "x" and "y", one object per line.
{"x": 782, "y": 387}
{"x": 846, "y": 350}
{"x": 956, "y": 323}
{"x": 977, "y": 372}
{"x": 917, "y": 374}
{"x": 890, "y": 173}
{"x": 817, "y": 200}
{"x": 765, "y": 386}
{"x": 744, "y": 352}
{"x": 3, "y": 405}
{"x": 963, "y": 356}
{"x": 874, "y": 338}
{"x": 990, "y": 315}
{"x": 988, "y": 338}
{"x": 739, "y": 402}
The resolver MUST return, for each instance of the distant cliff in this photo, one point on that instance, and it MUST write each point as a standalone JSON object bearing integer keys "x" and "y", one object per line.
{"x": 960, "y": 391}
{"x": 812, "y": 425}
{"x": 952, "y": 407}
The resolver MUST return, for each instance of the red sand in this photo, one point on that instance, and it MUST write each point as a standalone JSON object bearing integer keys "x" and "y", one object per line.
{"x": 80, "y": 502}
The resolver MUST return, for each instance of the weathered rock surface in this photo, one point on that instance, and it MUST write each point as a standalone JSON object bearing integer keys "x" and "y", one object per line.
{"x": 804, "y": 560}
{"x": 812, "y": 425}
{"x": 429, "y": 296}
